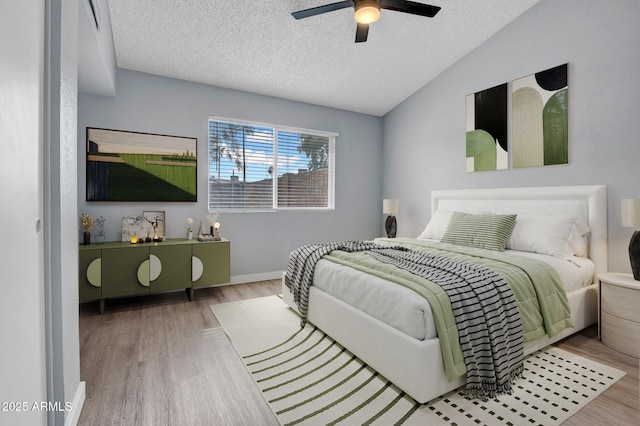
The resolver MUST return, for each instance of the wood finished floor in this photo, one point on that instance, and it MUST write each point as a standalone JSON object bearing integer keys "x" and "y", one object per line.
{"x": 162, "y": 360}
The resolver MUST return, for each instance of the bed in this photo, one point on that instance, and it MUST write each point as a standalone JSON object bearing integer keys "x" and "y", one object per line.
{"x": 411, "y": 358}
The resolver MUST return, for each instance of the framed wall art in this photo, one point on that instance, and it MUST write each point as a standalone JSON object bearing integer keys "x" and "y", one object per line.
{"x": 486, "y": 129}
{"x": 133, "y": 166}
{"x": 540, "y": 118}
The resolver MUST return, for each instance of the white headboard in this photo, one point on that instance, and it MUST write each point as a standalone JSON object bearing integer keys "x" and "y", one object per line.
{"x": 590, "y": 201}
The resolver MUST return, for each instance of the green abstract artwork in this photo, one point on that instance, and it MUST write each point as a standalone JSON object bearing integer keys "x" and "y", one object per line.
{"x": 540, "y": 118}
{"x": 486, "y": 130}
{"x": 135, "y": 166}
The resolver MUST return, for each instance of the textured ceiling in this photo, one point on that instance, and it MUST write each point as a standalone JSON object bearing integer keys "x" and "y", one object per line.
{"x": 257, "y": 46}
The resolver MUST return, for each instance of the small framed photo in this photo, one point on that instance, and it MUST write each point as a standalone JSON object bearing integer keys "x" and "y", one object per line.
{"x": 157, "y": 222}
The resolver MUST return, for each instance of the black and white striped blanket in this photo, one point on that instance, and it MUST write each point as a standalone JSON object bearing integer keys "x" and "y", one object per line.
{"x": 484, "y": 306}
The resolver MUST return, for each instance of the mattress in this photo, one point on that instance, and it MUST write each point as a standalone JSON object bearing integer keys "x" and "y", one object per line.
{"x": 405, "y": 310}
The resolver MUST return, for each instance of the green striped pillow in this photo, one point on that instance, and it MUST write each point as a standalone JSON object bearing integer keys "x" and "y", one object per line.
{"x": 486, "y": 231}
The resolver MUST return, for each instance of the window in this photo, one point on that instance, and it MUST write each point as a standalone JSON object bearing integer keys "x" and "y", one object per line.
{"x": 262, "y": 167}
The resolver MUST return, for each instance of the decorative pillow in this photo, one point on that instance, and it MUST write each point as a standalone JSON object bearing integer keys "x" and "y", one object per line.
{"x": 437, "y": 225}
{"x": 554, "y": 235}
{"x": 487, "y": 231}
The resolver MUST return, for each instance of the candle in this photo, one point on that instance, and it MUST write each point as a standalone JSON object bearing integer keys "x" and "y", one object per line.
{"x": 134, "y": 239}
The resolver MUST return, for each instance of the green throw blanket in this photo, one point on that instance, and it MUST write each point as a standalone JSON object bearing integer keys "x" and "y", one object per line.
{"x": 541, "y": 299}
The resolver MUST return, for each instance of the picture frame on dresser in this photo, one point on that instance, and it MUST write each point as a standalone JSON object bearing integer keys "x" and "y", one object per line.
{"x": 158, "y": 221}
{"x": 130, "y": 226}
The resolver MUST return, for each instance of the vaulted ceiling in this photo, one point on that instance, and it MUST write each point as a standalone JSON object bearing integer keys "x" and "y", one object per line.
{"x": 257, "y": 46}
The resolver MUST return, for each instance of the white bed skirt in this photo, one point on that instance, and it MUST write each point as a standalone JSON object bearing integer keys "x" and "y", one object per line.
{"x": 413, "y": 365}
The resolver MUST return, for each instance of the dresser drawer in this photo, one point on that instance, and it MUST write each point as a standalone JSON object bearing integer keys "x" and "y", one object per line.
{"x": 623, "y": 302}
{"x": 620, "y": 334}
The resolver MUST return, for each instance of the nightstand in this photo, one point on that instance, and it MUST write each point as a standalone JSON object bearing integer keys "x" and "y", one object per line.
{"x": 619, "y": 321}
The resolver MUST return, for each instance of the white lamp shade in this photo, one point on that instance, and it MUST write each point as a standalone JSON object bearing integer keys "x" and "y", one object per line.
{"x": 391, "y": 206}
{"x": 631, "y": 212}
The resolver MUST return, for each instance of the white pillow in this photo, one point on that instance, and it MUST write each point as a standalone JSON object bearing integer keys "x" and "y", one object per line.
{"x": 579, "y": 238}
{"x": 437, "y": 225}
{"x": 554, "y": 235}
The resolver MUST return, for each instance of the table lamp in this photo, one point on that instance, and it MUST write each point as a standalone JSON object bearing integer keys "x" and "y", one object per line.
{"x": 631, "y": 218}
{"x": 391, "y": 207}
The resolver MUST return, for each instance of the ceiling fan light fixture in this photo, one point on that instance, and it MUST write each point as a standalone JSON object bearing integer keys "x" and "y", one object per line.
{"x": 367, "y": 11}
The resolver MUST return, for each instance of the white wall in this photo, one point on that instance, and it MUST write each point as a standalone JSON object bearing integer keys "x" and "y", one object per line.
{"x": 260, "y": 242}
{"x": 60, "y": 212}
{"x": 424, "y": 137}
{"x": 22, "y": 319}
{"x": 97, "y": 60}
{"x": 39, "y": 359}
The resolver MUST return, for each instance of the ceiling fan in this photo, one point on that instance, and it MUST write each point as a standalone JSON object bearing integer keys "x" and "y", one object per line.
{"x": 368, "y": 11}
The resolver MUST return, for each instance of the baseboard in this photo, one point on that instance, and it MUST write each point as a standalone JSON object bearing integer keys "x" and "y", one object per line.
{"x": 71, "y": 417}
{"x": 251, "y": 278}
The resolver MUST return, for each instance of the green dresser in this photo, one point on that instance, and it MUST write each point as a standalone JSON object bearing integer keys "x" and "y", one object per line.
{"x": 121, "y": 269}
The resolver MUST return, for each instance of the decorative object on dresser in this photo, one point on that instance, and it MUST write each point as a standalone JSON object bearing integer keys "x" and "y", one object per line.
{"x": 631, "y": 218}
{"x": 189, "y": 230}
{"x": 100, "y": 226}
{"x": 158, "y": 222}
{"x": 133, "y": 225}
{"x": 121, "y": 269}
{"x": 619, "y": 324}
{"x": 86, "y": 223}
{"x": 212, "y": 220}
{"x": 391, "y": 207}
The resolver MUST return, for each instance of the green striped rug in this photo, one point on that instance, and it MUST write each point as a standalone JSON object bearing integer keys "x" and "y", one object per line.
{"x": 309, "y": 379}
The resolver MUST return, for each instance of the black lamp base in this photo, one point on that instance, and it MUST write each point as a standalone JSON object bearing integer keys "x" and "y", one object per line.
{"x": 634, "y": 254}
{"x": 391, "y": 226}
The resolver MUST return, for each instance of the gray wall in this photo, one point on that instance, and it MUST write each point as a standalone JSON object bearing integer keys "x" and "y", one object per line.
{"x": 61, "y": 250}
{"x": 424, "y": 137}
{"x": 260, "y": 242}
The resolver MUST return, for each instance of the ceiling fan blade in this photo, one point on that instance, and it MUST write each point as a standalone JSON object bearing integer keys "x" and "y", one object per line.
{"x": 362, "y": 31}
{"x": 410, "y": 7}
{"x": 306, "y": 13}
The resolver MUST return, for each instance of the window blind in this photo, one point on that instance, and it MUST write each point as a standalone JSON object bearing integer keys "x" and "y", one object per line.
{"x": 258, "y": 167}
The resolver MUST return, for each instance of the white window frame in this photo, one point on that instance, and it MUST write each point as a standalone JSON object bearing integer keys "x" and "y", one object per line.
{"x": 277, "y": 128}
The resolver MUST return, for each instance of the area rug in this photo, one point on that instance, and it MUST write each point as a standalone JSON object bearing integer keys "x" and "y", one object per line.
{"x": 309, "y": 379}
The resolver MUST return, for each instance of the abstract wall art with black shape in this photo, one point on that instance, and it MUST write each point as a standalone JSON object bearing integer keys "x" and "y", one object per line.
{"x": 486, "y": 129}
{"x": 540, "y": 118}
